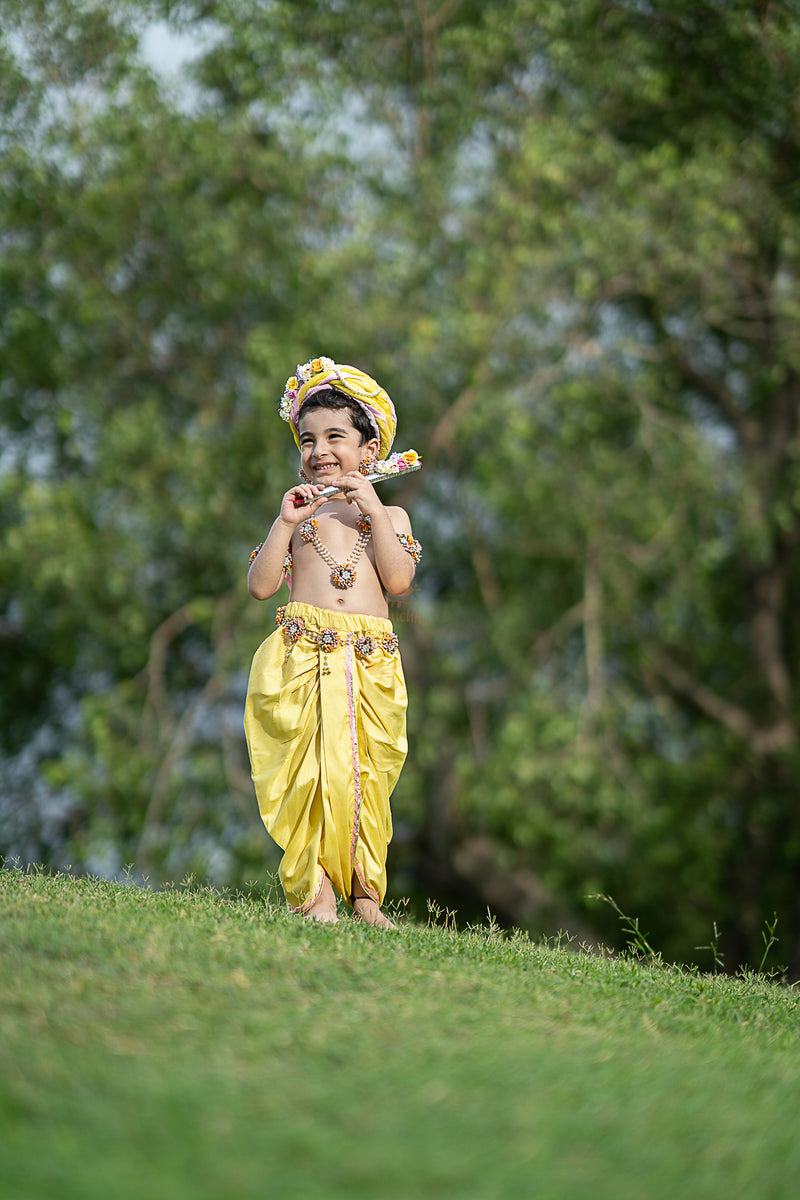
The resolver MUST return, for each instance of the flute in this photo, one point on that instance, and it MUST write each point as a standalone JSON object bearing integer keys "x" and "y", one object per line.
{"x": 387, "y": 468}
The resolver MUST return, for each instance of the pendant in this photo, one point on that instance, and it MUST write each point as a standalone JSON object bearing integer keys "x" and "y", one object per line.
{"x": 343, "y": 576}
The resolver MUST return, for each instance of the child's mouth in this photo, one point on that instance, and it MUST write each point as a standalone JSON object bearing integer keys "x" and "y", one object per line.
{"x": 327, "y": 469}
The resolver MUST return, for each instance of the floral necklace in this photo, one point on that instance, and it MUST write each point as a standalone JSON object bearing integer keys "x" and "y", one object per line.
{"x": 343, "y": 574}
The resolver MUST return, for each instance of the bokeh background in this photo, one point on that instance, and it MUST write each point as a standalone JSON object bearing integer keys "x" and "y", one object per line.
{"x": 566, "y": 237}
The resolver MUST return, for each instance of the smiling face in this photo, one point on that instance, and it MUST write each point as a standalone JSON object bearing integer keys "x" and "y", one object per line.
{"x": 330, "y": 444}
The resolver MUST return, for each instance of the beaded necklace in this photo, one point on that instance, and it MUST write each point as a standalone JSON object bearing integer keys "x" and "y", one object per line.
{"x": 343, "y": 574}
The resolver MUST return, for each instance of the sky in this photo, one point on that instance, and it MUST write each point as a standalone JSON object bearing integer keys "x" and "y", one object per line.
{"x": 166, "y": 50}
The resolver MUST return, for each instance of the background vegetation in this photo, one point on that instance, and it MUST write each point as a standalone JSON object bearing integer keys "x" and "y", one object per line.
{"x": 566, "y": 237}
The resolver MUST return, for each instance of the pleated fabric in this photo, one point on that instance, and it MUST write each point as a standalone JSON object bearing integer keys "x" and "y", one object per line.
{"x": 326, "y": 733}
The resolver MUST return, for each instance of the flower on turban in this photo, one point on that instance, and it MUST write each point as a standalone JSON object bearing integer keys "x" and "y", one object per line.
{"x": 320, "y": 373}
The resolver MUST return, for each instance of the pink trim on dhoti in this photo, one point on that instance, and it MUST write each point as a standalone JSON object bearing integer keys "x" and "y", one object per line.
{"x": 351, "y": 713}
{"x": 308, "y": 903}
{"x": 351, "y": 716}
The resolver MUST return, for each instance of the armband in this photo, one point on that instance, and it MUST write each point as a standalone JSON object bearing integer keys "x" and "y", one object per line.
{"x": 410, "y": 545}
{"x": 287, "y": 562}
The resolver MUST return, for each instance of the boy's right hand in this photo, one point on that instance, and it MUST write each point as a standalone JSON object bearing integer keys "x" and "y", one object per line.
{"x": 301, "y": 502}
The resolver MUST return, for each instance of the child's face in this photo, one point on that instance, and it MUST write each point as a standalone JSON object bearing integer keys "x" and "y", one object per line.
{"x": 330, "y": 445}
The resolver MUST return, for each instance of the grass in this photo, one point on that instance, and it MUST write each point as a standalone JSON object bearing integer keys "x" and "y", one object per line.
{"x": 183, "y": 1044}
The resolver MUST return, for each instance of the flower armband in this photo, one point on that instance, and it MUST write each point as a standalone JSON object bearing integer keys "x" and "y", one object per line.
{"x": 410, "y": 545}
{"x": 287, "y": 562}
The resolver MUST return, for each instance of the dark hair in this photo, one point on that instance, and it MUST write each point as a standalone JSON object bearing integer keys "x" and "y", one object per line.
{"x": 332, "y": 398}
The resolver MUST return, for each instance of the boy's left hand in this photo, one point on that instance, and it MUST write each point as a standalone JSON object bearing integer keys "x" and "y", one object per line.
{"x": 355, "y": 487}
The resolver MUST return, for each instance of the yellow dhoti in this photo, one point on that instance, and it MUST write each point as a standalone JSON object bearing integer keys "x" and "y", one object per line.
{"x": 325, "y": 721}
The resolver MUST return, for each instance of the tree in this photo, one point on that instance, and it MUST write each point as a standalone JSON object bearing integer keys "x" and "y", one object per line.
{"x": 637, "y": 709}
{"x": 156, "y": 269}
{"x": 568, "y": 235}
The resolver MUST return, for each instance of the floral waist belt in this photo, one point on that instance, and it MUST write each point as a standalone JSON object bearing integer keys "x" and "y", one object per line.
{"x": 365, "y": 645}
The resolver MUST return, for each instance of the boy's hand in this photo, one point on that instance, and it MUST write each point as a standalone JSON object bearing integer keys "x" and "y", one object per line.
{"x": 355, "y": 486}
{"x": 301, "y": 502}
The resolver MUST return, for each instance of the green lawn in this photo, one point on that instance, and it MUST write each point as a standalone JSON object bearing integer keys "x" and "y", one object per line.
{"x": 184, "y": 1044}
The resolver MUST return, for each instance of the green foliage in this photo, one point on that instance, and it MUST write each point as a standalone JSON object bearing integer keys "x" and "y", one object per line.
{"x": 160, "y": 251}
{"x": 566, "y": 237}
{"x": 638, "y": 722}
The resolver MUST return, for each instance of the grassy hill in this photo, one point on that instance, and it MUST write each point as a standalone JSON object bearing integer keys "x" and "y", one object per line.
{"x": 185, "y": 1045}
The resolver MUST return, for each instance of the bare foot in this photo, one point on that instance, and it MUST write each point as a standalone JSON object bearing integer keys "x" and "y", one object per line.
{"x": 368, "y": 910}
{"x": 324, "y": 907}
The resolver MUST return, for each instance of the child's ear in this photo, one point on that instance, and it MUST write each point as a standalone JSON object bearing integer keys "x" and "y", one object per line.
{"x": 373, "y": 447}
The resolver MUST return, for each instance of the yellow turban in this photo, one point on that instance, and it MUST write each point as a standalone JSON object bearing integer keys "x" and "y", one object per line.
{"x": 320, "y": 373}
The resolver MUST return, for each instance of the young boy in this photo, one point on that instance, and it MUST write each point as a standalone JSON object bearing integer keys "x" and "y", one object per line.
{"x": 325, "y": 716}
